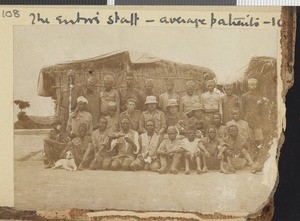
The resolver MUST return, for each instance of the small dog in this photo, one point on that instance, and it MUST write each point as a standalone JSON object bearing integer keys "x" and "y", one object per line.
{"x": 68, "y": 163}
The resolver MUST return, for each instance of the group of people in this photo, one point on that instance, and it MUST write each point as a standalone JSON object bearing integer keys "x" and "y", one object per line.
{"x": 129, "y": 129}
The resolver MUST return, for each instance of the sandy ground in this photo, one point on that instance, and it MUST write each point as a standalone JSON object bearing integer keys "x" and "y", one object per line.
{"x": 41, "y": 189}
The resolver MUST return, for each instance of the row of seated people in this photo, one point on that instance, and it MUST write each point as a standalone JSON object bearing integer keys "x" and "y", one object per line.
{"x": 208, "y": 144}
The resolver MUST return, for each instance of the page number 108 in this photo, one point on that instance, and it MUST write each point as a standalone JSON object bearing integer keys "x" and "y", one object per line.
{"x": 10, "y": 13}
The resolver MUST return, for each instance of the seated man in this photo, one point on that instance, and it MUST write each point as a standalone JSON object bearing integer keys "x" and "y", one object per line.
{"x": 81, "y": 148}
{"x": 175, "y": 118}
{"x": 126, "y": 144}
{"x": 54, "y": 144}
{"x": 79, "y": 116}
{"x": 216, "y": 122}
{"x": 170, "y": 152}
{"x": 191, "y": 151}
{"x": 102, "y": 159}
{"x": 237, "y": 150}
{"x": 198, "y": 121}
{"x": 133, "y": 114}
{"x": 112, "y": 118}
{"x": 243, "y": 127}
{"x": 212, "y": 149}
{"x": 148, "y": 142}
{"x": 152, "y": 113}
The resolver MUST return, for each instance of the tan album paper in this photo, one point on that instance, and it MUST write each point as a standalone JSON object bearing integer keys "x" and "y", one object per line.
{"x": 142, "y": 113}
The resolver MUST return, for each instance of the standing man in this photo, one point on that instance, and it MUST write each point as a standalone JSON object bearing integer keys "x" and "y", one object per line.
{"x": 68, "y": 97}
{"x": 79, "y": 116}
{"x": 170, "y": 94}
{"x": 149, "y": 86}
{"x": 253, "y": 109}
{"x": 229, "y": 102}
{"x": 133, "y": 114}
{"x": 93, "y": 101}
{"x": 212, "y": 101}
{"x": 109, "y": 95}
{"x": 130, "y": 92}
{"x": 152, "y": 113}
{"x": 188, "y": 100}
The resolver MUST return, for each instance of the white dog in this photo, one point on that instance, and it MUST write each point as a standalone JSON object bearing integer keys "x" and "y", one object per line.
{"x": 68, "y": 163}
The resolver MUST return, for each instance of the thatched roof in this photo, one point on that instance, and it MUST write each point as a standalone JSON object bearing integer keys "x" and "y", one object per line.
{"x": 118, "y": 64}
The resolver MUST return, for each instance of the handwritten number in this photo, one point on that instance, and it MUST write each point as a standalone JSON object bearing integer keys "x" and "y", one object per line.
{"x": 16, "y": 13}
{"x": 8, "y": 14}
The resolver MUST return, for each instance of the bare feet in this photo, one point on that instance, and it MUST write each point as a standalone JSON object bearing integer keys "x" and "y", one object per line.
{"x": 199, "y": 171}
{"x": 174, "y": 171}
{"x": 162, "y": 171}
{"x": 205, "y": 170}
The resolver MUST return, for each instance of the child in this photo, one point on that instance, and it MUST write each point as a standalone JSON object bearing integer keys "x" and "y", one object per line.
{"x": 192, "y": 151}
{"x": 170, "y": 152}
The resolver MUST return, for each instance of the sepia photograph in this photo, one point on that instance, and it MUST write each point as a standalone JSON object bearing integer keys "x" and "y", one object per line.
{"x": 145, "y": 118}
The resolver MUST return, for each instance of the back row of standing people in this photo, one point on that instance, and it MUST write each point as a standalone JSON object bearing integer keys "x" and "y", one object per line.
{"x": 137, "y": 104}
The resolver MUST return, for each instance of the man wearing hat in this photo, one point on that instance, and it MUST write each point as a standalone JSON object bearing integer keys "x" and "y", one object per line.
{"x": 109, "y": 95}
{"x": 112, "y": 118}
{"x": 187, "y": 101}
{"x": 175, "y": 118}
{"x": 149, "y": 85}
{"x": 79, "y": 116}
{"x": 94, "y": 101}
{"x": 130, "y": 92}
{"x": 133, "y": 114}
{"x": 152, "y": 113}
{"x": 212, "y": 101}
{"x": 55, "y": 143}
{"x": 67, "y": 99}
{"x": 170, "y": 94}
{"x": 198, "y": 121}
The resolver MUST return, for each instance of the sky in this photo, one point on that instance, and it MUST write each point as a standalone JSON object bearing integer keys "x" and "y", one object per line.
{"x": 226, "y": 52}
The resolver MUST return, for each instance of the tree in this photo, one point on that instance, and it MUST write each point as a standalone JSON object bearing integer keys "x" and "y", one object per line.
{"x": 22, "y": 104}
